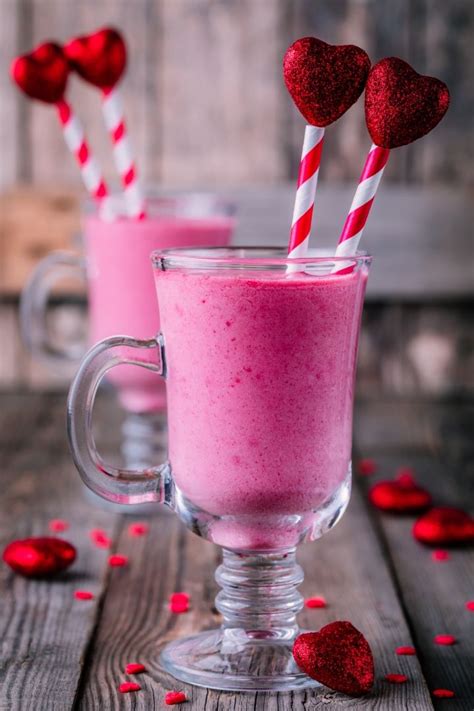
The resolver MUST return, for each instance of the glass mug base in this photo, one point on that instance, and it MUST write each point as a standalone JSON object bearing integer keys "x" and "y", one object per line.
{"x": 219, "y": 660}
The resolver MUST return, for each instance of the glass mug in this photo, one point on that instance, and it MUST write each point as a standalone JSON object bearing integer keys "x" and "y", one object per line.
{"x": 260, "y": 366}
{"x": 121, "y": 297}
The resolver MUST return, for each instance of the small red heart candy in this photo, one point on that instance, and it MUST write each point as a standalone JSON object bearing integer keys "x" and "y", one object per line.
{"x": 402, "y": 105}
{"x": 43, "y": 73}
{"x": 444, "y": 525}
{"x": 38, "y": 557}
{"x": 324, "y": 80}
{"x": 338, "y": 656}
{"x": 99, "y": 58}
{"x": 402, "y": 495}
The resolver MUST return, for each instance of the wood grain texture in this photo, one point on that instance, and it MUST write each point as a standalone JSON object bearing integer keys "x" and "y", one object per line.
{"x": 204, "y": 93}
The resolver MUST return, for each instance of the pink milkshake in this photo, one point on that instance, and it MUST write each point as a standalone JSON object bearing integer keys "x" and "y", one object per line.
{"x": 260, "y": 391}
{"x": 121, "y": 289}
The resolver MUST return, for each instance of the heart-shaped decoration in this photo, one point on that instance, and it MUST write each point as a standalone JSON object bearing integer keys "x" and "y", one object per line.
{"x": 402, "y": 105}
{"x": 445, "y": 526}
{"x": 43, "y": 73}
{"x": 38, "y": 557}
{"x": 403, "y": 495}
{"x": 100, "y": 58}
{"x": 324, "y": 80}
{"x": 338, "y": 656}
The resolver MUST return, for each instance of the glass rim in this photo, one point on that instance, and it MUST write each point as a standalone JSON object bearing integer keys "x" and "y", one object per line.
{"x": 169, "y": 204}
{"x": 255, "y": 256}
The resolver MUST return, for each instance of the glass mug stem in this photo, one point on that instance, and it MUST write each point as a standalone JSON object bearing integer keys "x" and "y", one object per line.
{"x": 33, "y": 307}
{"x": 125, "y": 486}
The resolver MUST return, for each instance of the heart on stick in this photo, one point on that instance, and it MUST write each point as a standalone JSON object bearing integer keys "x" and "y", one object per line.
{"x": 402, "y": 105}
{"x": 100, "y": 58}
{"x": 324, "y": 80}
{"x": 43, "y": 73}
{"x": 444, "y": 526}
{"x": 338, "y": 656}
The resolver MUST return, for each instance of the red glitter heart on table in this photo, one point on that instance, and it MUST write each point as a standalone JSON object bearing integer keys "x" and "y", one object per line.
{"x": 338, "y": 656}
{"x": 42, "y": 74}
{"x": 99, "y": 58}
{"x": 324, "y": 80}
{"x": 403, "y": 495}
{"x": 402, "y": 105}
{"x": 38, "y": 557}
{"x": 446, "y": 526}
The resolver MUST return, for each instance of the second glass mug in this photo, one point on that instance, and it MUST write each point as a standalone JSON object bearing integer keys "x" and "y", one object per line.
{"x": 121, "y": 296}
{"x": 260, "y": 367}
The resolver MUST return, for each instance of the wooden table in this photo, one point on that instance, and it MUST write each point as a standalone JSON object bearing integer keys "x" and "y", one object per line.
{"x": 61, "y": 653}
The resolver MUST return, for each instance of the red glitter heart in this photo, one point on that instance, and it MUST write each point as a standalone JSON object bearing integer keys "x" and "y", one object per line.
{"x": 400, "y": 496}
{"x": 444, "y": 526}
{"x": 402, "y": 105}
{"x": 324, "y": 80}
{"x": 42, "y": 74}
{"x": 100, "y": 58}
{"x": 175, "y": 697}
{"x": 38, "y": 557}
{"x": 338, "y": 656}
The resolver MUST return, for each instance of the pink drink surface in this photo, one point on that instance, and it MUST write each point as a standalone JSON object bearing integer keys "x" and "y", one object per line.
{"x": 260, "y": 390}
{"x": 122, "y": 298}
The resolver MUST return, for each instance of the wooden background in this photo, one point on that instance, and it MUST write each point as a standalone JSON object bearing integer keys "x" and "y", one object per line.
{"x": 204, "y": 93}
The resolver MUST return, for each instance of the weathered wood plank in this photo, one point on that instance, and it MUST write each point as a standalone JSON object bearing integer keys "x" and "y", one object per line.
{"x": 433, "y": 594}
{"x": 221, "y": 100}
{"x": 44, "y": 630}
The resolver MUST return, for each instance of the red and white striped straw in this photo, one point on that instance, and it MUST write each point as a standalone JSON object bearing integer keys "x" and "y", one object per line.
{"x": 77, "y": 144}
{"x": 306, "y": 192}
{"x": 114, "y": 118}
{"x": 362, "y": 202}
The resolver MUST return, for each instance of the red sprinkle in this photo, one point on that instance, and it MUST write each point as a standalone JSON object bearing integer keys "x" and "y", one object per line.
{"x": 138, "y": 529}
{"x": 83, "y": 595}
{"x": 58, "y": 525}
{"x": 175, "y": 697}
{"x": 406, "y": 651}
{"x": 128, "y": 686}
{"x": 179, "y": 602}
{"x": 366, "y": 467}
{"x": 396, "y": 678}
{"x": 315, "y": 602}
{"x": 445, "y": 639}
{"x": 135, "y": 668}
{"x": 118, "y": 561}
{"x": 405, "y": 475}
{"x": 100, "y": 538}
{"x": 440, "y": 555}
{"x": 470, "y": 605}
{"x": 443, "y": 693}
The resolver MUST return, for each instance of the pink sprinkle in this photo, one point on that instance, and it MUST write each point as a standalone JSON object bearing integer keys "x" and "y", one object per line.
{"x": 175, "y": 697}
{"x": 366, "y": 467}
{"x": 83, "y": 595}
{"x": 440, "y": 555}
{"x": 58, "y": 525}
{"x": 100, "y": 538}
{"x": 315, "y": 602}
{"x": 179, "y": 602}
{"x": 128, "y": 686}
{"x": 138, "y": 529}
{"x": 396, "y": 678}
{"x": 445, "y": 639}
{"x": 406, "y": 651}
{"x": 118, "y": 561}
{"x": 135, "y": 668}
{"x": 443, "y": 693}
{"x": 470, "y": 605}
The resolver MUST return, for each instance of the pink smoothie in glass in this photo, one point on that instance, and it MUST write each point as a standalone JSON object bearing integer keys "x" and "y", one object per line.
{"x": 122, "y": 299}
{"x": 260, "y": 389}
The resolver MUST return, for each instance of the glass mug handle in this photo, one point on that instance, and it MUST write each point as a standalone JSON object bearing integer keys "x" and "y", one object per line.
{"x": 124, "y": 486}
{"x": 33, "y": 306}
